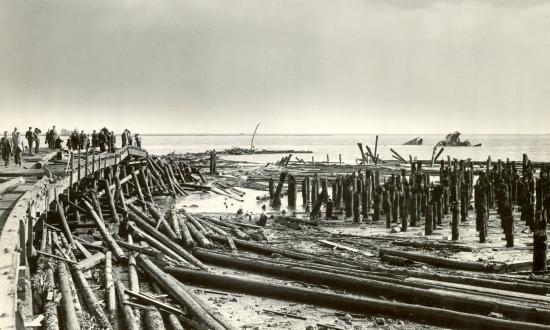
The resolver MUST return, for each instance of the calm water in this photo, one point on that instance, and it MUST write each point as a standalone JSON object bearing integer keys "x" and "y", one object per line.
{"x": 497, "y": 146}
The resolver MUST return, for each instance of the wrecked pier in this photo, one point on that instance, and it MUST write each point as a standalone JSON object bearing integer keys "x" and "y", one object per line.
{"x": 95, "y": 240}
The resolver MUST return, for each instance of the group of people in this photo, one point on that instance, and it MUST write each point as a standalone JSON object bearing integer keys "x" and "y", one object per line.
{"x": 105, "y": 140}
{"x": 53, "y": 140}
{"x": 127, "y": 139}
{"x": 14, "y": 145}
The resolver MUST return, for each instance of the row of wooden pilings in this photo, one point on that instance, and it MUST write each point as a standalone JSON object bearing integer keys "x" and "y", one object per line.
{"x": 405, "y": 200}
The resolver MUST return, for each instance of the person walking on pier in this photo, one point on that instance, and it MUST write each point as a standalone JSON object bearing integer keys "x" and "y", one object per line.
{"x": 29, "y": 137}
{"x": 49, "y": 139}
{"x": 137, "y": 138}
{"x": 36, "y": 139}
{"x": 82, "y": 140}
{"x": 124, "y": 137}
{"x": 17, "y": 148}
{"x": 101, "y": 140}
{"x": 54, "y": 137}
{"x": 95, "y": 139}
{"x": 75, "y": 140}
{"x": 6, "y": 148}
{"x": 112, "y": 141}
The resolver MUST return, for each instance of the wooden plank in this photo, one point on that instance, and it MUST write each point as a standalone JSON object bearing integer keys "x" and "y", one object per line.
{"x": 344, "y": 247}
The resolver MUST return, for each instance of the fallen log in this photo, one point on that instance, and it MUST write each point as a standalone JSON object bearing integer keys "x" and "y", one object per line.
{"x": 266, "y": 249}
{"x": 198, "y": 236}
{"x": 296, "y": 220}
{"x": 163, "y": 226}
{"x": 186, "y": 237}
{"x": 117, "y": 251}
{"x": 233, "y": 226}
{"x": 110, "y": 290}
{"x": 154, "y": 302}
{"x": 127, "y": 313}
{"x": 148, "y": 229}
{"x": 445, "y": 262}
{"x": 94, "y": 306}
{"x": 140, "y": 249}
{"x": 156, "y": 244}
{"x": 90, "y": 262}
{"x": 434, "y": 245}
{"x": 64, "y": 223}
{"x": 171, "y": 286}
{"x": 70, "y": 320}
{"x": 463, "y": 302}
{"x": 428, "y": 315}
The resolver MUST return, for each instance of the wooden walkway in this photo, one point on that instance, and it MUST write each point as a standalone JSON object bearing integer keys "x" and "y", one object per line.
{"x": 25, "y": 192}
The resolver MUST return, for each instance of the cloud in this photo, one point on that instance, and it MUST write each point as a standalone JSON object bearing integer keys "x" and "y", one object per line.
{"x": 297, "y": 66}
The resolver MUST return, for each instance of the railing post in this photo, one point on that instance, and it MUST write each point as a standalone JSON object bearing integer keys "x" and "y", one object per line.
{"x": 86, "y": 163}
{"x": 78, "y": 164}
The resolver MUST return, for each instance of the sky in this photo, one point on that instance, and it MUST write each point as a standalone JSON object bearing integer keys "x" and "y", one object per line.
{"x": 295, "y": 66}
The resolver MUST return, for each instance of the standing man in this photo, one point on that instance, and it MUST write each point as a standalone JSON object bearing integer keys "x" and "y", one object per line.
{"x": 130, "y": 140}
{"x": 53, "y": 137}
{"x": 82, "y": 139}
{"x": 29, "y": 137}
{"x": 95, "y": 139}
{"x": 75, "y": 140}
{"x": 49, "y": 138}
{"x": 17, "y": 148}
{"x": 5, "y": 148}
{"x": 112, "y": 141}
{"x": 36, "y": 139}
{"x": 137, "y": 138}
{"x": 124, "y": 137}
{"x": 101, "y": 140}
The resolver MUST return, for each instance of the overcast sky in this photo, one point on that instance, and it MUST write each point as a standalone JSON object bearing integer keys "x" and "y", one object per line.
{"x": 296, "y": 66}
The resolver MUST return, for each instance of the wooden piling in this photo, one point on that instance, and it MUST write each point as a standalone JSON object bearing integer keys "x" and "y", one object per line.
{"x": 111, "y": 201}
{"x": 277, "y": 195}
{"x": 356, "y": 207}
{"x": 454, "y": 222}
{"x": 291, "y": 191}
{"x": 271, "y": 188}
{"x": 428, "y": 222}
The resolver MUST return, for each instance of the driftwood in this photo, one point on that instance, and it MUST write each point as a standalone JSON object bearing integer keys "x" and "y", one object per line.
{"x": 157, "y": 245}
{"x": 127, "y": 313}
{"x": 166, "y": 241}
{"x": 463, "y": 302}
{"x": 90, "y": 262}
{"x": 117, "y": 251}
{"x": 171, "y": 286}
{"x": 70, "y": 320}
{"x": 110, "y": 290}
{"x": 444, "y": 262}
{"x": 188, "y": 241}
{"x": 431, "y": 315}
{"x": 94, "y": 306}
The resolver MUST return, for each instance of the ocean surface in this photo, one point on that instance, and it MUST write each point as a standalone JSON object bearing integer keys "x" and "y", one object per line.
{"x": 498, "y": 146}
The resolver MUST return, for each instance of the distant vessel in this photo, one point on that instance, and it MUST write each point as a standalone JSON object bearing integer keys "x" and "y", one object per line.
{"x": 417, "y": 141}
{"x": 453, "y": 140}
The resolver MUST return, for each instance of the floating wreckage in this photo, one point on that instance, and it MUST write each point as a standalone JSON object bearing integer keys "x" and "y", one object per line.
{"x": 417, "y": 141}
{"x": 453, "y": 140}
